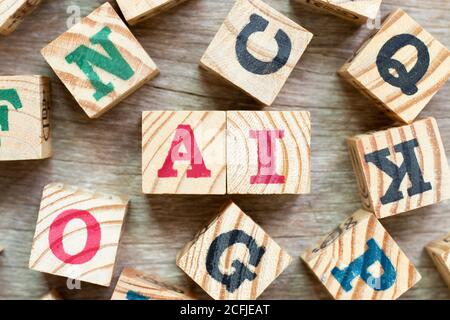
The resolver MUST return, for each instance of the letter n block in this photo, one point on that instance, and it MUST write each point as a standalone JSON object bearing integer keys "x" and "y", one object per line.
{"x": 135, "y": 285}
{"x": 25, "y": 118}
{"x": 77, "y": 233}
{"x": 268, "y": 152}
{"x": 100, "y": 61}
{"x": 439, "y": 251}
{"x": 360, "y": 261}
{"x": 400, "y": 68}
{"x": 184, "y": 152}
{"x": 401, "y": 168}
{"x": 256, "y": 49}
{"x": 232, "y": 258}
{"x": 136, "y": 11}
{"x": 12, "y": 13}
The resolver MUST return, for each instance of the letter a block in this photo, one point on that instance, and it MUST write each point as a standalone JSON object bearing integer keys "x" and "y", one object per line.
{"x": 439, "y": 251}
{"x": 78, "y": 233}
{"x": 360, "y": 261}
{"x": 136, "y": 11}
{"x": 256, "y": 49}
{"x": 401, "y": 169}
{"x": 12, "y": 13}
{"x": 25, "y": 118}
{"x": 100, "y": 61}
{"x": 268, "y": 152}
{"x": 184, "y": 152}
{"x": 135, "y": 285}
{"x": 400, "y": 68}
{"x": 232, "y": 258}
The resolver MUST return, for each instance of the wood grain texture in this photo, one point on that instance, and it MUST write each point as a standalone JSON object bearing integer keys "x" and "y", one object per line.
{"x": 291, "y": 158}
{"x": 439, "y": 251}
{"x": 27, "y": 131}
{"x": 105, "y": 154}
{"x": 12, "y": 12}
{"x": 136, "y": 11}
{"x": 362, "y": 71}
{"x": 108, "y": 213}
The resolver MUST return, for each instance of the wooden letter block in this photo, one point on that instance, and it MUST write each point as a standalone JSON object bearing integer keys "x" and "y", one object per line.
{"x": 184, "y": 152}
{"x": 256, "y": 49}
{"x": 360, "y": 261}
{"x": 359, "y": 11}
{"x": 52, "y": 295}
{"x": 136, "y": 11}
{"x": 78, "y": 233}
{"x": 439, "y": 251}
{"x": 400, "y": 68}
{"x": 25, "y": 118}
{"x": 401, "y": 169}
{"x": 232, "y": 258}
{"x": 268, "y": 152}
{"x": 100, "y": 61}
{"x": 134, "y": 285}
{"x": 12, "y": 13}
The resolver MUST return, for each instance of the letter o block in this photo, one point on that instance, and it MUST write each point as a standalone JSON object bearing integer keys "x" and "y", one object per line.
{"x": 232, "y": 258}
{"x": 256, "y": 49}
{"x": 360, "y": 261}
{"x": 439, "y": 251}
{"x": 77, "y": 233}
{"x": 401, "y": 169}
{"x": 400, "y": 68}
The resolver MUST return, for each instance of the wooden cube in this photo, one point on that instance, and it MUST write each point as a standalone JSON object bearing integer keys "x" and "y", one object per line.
{"x": 12, "y": 13}
{"x": 52, "y": 295}
{"x": 232, "y": 258}
{"x": 77, "y": 233}
{"x": 268, "y": 152}
{"x": 100, "y": 61}
{"x": 360, "y": 261}
{"x": 439, "y": 251}
{"x": 25, "y": 132}
{"x": 355, "y": 11}
{"x": 183, "y": 152}
{"x": 400, "y": 68}
{"x": 401, "y": 168}
{"x": 136, "y": 11}
{"x": 256, "y": 49}
{"x": 135, "y": 285}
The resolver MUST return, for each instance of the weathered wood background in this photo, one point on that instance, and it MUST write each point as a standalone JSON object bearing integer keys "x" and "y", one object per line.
{"x": 106, "y": 153}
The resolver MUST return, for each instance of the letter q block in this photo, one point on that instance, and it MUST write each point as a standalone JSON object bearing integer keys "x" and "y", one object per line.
{"x": 256, "y": 49}
{"x": 401, "y": 169}
{"x": 439, "y": 251}
{"x": 232, "y": 258}
{"x": 77, "y": 233}
{"x": 400, "y": 68}
{"x": 360, "y": 261}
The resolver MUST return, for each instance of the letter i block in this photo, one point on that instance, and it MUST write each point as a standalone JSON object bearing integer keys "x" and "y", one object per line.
{"x": 268, "y": 152}
{"x": 135, "y": 285}
{"x": 400, "y": 68}
{"x": 184, "y": 152}
{"x": 401, "y": 169}
{"x": 25, "y": 118}
{"x": 77, "y": 233}
{"x": 360, "y": 261}
{"x": 12, "y": 13}
{"x": 439, "y": 251}
{"x": 256, "y": 49}
{"x": 232, "y": 258}
{"x": 100, "y": 61}
{"x": 136, "y": 11}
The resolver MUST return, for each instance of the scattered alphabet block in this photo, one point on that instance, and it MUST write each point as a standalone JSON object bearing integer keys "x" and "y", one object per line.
{"x": 439, "y": 251}
{"x": 25, "y": 132}
{"x": 52, "y": 295}
{"x": 400, "y": 68}
{"x": 135, "y": 285}
{"x": 100, "y": 61}
{"x": 256, "y": 49}
{"x": 232, "y": 258}
{"x": 183, "y": 152}
{"x": 77, "y": 233}
{"x": 401, "y": 168}
{"x": 268, "y": 152}
{"x": 136, "y": 11}
{"x": 12, "y": 13}
{"x": 360, "y": 261}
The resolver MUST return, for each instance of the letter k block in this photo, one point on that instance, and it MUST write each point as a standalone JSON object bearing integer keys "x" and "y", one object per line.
{"x": 401, "y": 169}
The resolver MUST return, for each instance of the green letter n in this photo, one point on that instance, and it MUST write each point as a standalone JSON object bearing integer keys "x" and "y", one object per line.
{"x": 86, "y": 58}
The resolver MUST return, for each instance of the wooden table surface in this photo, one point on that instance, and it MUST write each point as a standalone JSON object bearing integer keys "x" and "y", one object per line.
{"x": 105, "y": 154}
